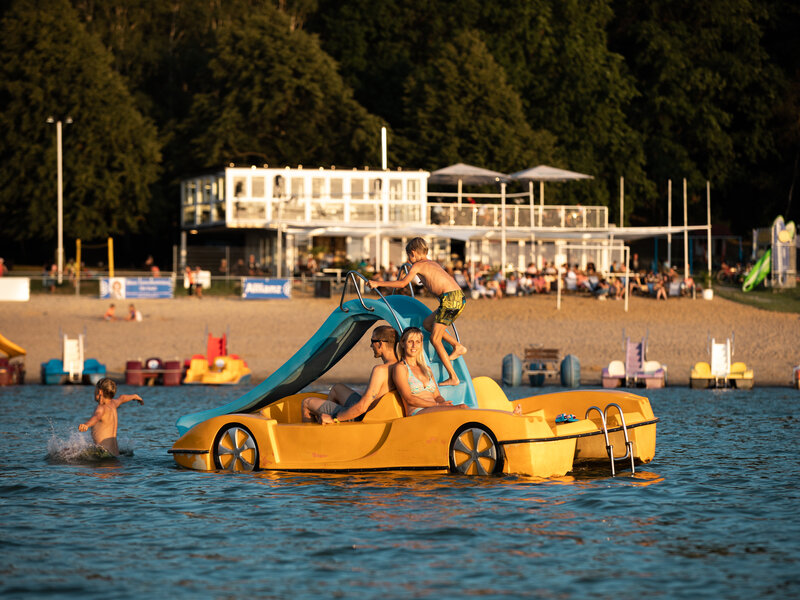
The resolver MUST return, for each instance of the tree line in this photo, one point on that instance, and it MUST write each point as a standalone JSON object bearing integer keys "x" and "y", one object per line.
{"x": 157, "y": 91}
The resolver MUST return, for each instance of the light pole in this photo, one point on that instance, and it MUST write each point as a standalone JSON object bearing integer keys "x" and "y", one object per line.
{"x": 60, "y": 251}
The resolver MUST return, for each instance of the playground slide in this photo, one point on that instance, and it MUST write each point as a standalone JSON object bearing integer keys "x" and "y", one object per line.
{"x": 334, "y": 339}
{"x": 759, "y": 271}
{"x": 10, "y": 349}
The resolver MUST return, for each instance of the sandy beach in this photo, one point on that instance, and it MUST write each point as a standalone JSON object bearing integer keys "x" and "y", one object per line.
{"x": 266, "y": 333}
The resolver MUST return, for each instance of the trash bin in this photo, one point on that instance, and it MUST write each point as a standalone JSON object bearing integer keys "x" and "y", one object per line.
{"x": 322, "y": 288}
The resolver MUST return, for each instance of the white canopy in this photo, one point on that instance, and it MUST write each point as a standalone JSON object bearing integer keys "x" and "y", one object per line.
{"x": 468, "y": 174}
{"x": 546, "y": 173}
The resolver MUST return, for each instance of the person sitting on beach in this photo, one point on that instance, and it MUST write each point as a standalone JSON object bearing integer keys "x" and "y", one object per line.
{"x": 451, "y": 302}
{"x": 344, "y": 403}
{"x": 109, "y": 314}
{"x": 413, "y": 378}
{"x": 104, "y": 420}
{"x": 133, "y": 314}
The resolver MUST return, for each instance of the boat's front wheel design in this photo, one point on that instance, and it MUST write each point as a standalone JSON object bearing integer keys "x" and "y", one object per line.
{"x": 474, "y": 451}
{"x": 235, "y": 449}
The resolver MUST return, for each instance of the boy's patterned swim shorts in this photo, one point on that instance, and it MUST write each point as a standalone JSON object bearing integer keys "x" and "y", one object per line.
{"x": 450, "y": 306}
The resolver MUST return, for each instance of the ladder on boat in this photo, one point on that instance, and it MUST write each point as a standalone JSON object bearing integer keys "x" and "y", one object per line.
{"x": 609, "y": 447}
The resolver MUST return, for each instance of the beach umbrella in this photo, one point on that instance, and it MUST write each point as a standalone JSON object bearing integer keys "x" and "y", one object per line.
{"x": 544, "y": 173}
{"x": 460, "y": 173}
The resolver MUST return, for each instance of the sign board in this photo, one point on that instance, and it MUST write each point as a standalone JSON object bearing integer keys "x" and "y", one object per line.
{"x": 259, "y": 288}
{"x": 17, "y": 289}
{"x": 134, "y": 288}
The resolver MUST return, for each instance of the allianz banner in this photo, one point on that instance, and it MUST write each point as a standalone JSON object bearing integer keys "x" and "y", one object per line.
{"x": 259, "y": 288}
{"x": 134, "y": 288}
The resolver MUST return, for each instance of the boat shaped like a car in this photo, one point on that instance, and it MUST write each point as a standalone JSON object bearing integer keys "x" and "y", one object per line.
{"x": 263, "y": 429}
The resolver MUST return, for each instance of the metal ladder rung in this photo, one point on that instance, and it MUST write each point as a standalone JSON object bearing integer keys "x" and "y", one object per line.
{"x": 609, "y": 447}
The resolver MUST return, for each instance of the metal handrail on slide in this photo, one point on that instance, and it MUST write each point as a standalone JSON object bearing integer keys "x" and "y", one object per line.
{"x": 351, "y": 276}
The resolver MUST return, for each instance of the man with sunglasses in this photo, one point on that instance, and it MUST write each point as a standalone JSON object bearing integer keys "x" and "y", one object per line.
{"x": 344, "y": 403}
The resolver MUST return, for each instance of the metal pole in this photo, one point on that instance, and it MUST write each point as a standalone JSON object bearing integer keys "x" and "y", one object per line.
{"x": 621, "y": 201}
{"x": 78, "y": 267}
{"x": 541, "y": 202}
{"x": 503, "y": 229}
{"x": 669, "y": 221}
{"x": 708, "y": 216}
{"x": 685, "y": 232}
{"x": 60, "y": 251}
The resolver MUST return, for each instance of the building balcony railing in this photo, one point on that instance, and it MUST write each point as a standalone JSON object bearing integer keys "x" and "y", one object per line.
{"x": 258, "y": 213}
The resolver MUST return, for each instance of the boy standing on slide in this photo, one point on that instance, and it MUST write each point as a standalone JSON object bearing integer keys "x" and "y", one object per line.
{"x": 451, "y": 302}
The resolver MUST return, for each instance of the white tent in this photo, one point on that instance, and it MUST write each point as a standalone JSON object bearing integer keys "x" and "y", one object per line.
{"x": 544, "y": 173}
{"x": 460, "y": 173}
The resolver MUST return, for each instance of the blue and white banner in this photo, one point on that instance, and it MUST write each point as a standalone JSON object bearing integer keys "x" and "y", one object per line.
{"x": 258, "y": 288}
{"x": 118, "y": 288}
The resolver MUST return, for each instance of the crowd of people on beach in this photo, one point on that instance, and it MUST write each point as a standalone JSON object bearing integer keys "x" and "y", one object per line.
{"x": 486, "y": 281}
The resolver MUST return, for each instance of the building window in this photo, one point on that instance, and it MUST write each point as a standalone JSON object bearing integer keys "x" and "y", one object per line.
{"x": 412, "y": 189}
{"x": 374, "y": 189}
{"x": 298, "y": 188}
{"x": 258, "y": 187}
{"x": 357, "y": 189}
{"x": 336, "y": 188}
{"x": 395, "y": 189}
{"x": 317, "y": 187}
{"x": 238, "y": 187}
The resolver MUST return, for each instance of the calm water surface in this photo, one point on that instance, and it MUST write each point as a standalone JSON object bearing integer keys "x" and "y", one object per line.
{"x": 714, "y": 516}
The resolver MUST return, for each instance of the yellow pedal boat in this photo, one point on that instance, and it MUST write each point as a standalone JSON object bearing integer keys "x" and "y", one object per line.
{"x": 263, "y": 429}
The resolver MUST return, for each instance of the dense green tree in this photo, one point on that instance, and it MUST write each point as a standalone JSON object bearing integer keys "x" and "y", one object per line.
{"x": 460, "y": 108}
{"x": 556, "y": 55}
{"x": 379, "y": 44}
{"x": 275, "y": 97}
{"x": 50, "y": 66}
{"x": 707, "y": 89}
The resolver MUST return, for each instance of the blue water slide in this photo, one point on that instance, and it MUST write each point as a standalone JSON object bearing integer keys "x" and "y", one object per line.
{"x": 342, "y": 330}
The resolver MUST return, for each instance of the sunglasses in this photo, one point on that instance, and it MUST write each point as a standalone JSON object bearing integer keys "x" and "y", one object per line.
{"x": 376, "y": 341}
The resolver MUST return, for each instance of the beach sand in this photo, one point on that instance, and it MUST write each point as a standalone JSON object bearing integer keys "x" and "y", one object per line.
{"x": 267, "y": 333}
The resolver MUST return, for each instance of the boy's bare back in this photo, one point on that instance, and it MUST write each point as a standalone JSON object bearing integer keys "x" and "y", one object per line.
{"x": 104, "y": 431}
{"x": 103, "y": 422}
{"x": 437, "y": 281}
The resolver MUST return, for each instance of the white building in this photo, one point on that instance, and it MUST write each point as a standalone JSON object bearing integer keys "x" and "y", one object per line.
{"x": 280, "y": 214}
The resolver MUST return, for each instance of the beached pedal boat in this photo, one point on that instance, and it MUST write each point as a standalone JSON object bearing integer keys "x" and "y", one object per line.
{"x": 12, "y": 363}
{"x": 263, "y": 428}
{"x": 153, "y": 371}
{"x": 721, "y": 373}
{"x": 636, "y": 371}
{"x": 217, "y": 367}
{"x": 72, "y": 367}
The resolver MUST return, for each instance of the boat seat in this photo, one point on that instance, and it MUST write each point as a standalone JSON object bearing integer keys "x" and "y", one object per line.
{"x": 650, "y": 367}
{"x": 387, "y": 407}
{"x": 702, "y": 370}
{"x": 616, "y": 368}
{"x": 738, "y": 369}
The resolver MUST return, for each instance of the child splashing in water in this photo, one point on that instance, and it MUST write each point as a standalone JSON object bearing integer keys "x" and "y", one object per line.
{"x": 451, "y": 302}
{"x": 104, "y": 420}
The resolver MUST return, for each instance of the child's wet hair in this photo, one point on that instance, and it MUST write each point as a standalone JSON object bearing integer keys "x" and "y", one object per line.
{"x": 107, "y": 387}
{"x": 417, "y": 245}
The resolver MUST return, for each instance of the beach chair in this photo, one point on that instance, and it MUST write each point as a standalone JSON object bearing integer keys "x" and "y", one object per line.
{"x": 542, "y": 363}
{"x": 675, "y": 288}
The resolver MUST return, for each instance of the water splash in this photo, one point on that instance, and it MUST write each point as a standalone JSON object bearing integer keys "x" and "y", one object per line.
{"x": 78, "y": 447}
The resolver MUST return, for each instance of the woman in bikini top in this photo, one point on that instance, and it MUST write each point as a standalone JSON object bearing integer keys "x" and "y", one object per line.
{"x": 417, "y": 396}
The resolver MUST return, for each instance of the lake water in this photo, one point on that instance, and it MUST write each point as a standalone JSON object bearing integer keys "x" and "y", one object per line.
{"x": 714, "y": 516}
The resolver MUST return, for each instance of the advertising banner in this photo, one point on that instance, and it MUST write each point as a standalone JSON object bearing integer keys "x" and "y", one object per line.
{"x": 134, "y": 288}
{"x": 259, "y": 288}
